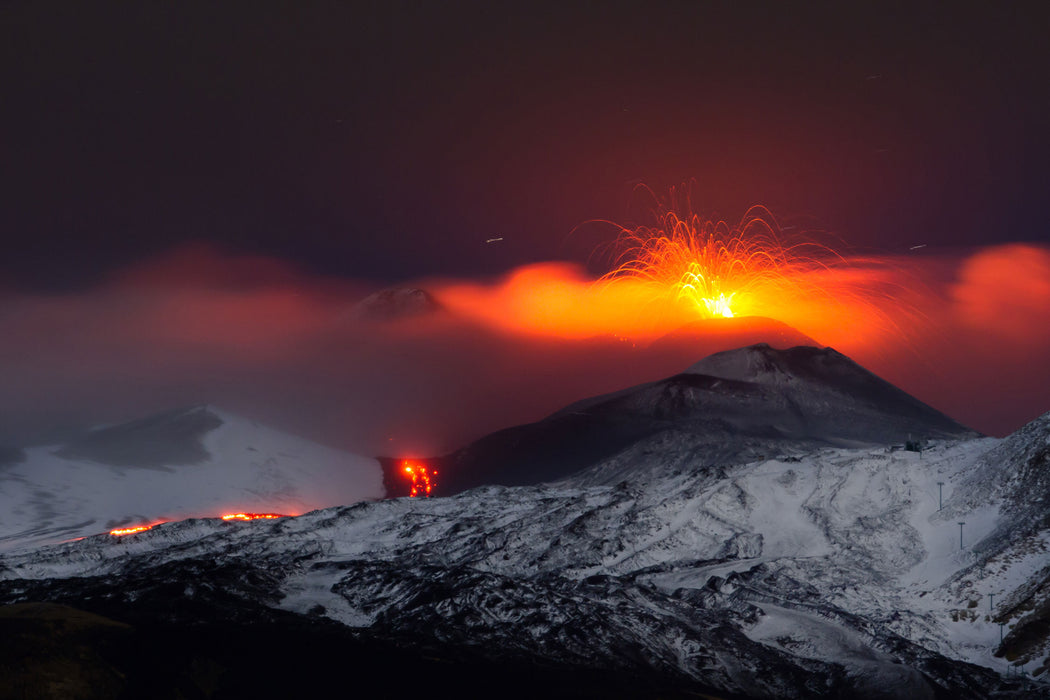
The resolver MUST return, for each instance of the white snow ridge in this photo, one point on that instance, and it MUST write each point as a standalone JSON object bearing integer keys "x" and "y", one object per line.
{"x": 783, "y": 564}
{"x": 194, "y": 462}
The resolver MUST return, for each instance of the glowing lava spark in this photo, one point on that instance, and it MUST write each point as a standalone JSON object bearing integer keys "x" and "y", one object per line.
{"x": 684, "y": 264}
{"x": 253, "y": 516}
{"x": 422, "y": 478}
{"x": 720, "y": 272}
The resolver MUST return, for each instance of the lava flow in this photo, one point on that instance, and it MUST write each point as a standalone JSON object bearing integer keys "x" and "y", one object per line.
{"x": 121, "y": 531}
{"x": 253, "y": 516}
{"x": 422, "y": 479}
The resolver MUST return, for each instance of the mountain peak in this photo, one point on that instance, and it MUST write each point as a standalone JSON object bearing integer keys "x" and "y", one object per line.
{"x": 764, "y": 364}
{"x": 832, "y": 388}
{"x": 751, "y": 402}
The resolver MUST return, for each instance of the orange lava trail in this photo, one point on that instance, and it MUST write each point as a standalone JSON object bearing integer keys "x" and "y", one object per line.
{"x": 253, "y": 516}
{"x": 121, "y": 531}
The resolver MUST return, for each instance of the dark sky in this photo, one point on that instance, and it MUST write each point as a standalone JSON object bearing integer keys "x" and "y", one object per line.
{"x": 388, "y": 140}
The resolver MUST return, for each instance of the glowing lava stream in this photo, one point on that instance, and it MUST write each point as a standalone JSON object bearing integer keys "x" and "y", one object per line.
{"x": 121, "y": 531}
{"x": 253, "y": 516}
{"x": 422, "y": 479}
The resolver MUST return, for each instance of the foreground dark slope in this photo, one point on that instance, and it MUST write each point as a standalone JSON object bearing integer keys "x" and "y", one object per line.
{"x": 747, "y": 403}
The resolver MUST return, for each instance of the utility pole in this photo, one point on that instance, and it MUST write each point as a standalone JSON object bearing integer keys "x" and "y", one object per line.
{"x": 940, "y": 495}
{"x": 961, "y": 523}
{"x": 991, "y": 601}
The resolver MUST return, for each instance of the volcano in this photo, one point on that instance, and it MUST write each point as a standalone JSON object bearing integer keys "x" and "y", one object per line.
{"x": 750, "y": 403}
{"x": 764, "y": 533}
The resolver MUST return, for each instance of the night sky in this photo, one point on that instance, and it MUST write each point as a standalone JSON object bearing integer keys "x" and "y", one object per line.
{"x": 266, "y": 165}
{"x": 388, "y": 140}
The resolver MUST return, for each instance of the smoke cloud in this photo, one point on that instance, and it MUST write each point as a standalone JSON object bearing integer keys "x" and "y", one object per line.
{"x": 969, "y": 334}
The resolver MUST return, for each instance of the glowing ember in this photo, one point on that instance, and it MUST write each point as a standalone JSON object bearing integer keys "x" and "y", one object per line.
{"x": 121, "y": 531}
{"x": 253, "y": 516}
{"x": 422, "y": 478}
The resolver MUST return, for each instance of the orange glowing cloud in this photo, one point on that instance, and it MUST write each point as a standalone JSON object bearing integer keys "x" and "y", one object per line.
{"x": 555, "y": 299}
{"x": 1005, "y": 291}
{"x": 263, "y": 339}
{"x": 685, "y": 269}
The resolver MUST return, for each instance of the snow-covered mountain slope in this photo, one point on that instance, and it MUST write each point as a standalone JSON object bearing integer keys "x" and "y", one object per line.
{"x": 830, "y": 574}
{"x": 833, "y": 396}
{"x": 736, "y": 405}
{"x": 190, "y": 462}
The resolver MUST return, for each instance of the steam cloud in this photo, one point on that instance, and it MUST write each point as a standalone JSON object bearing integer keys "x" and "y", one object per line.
{"x": 263, "y": 339}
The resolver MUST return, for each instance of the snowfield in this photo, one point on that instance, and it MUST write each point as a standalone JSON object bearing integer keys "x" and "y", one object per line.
{"x": 813, "y": 571}
{"x": 186, "y": 463}
{"x": 840, "y": 560}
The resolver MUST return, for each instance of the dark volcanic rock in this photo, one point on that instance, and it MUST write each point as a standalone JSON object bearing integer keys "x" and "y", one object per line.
{"x": 396, "y": 303}
{"x": 747, "y": 403}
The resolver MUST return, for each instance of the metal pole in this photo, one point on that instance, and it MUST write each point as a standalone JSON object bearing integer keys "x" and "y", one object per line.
{"x": 940, "y": 495}
{"x": 991, "y": 601}
{"x": 960, "y": 535}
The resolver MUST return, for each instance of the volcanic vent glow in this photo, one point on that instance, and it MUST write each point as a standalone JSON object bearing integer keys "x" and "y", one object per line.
{"x": 686, "y": 264}
{"x": 720, "y": 272}
{"x": 422, "y": 479}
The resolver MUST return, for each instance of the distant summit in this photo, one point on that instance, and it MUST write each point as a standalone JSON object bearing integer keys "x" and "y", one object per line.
{"x": 836, "y": 398}
{"x": 704, "y": 337}
{"x": 396, "y": 303}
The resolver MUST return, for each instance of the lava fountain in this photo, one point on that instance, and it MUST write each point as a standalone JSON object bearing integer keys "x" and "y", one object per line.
{"x": 719, "y": 271}
{"x": 714, "y": 271}
{"x": 683, "y": 270}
